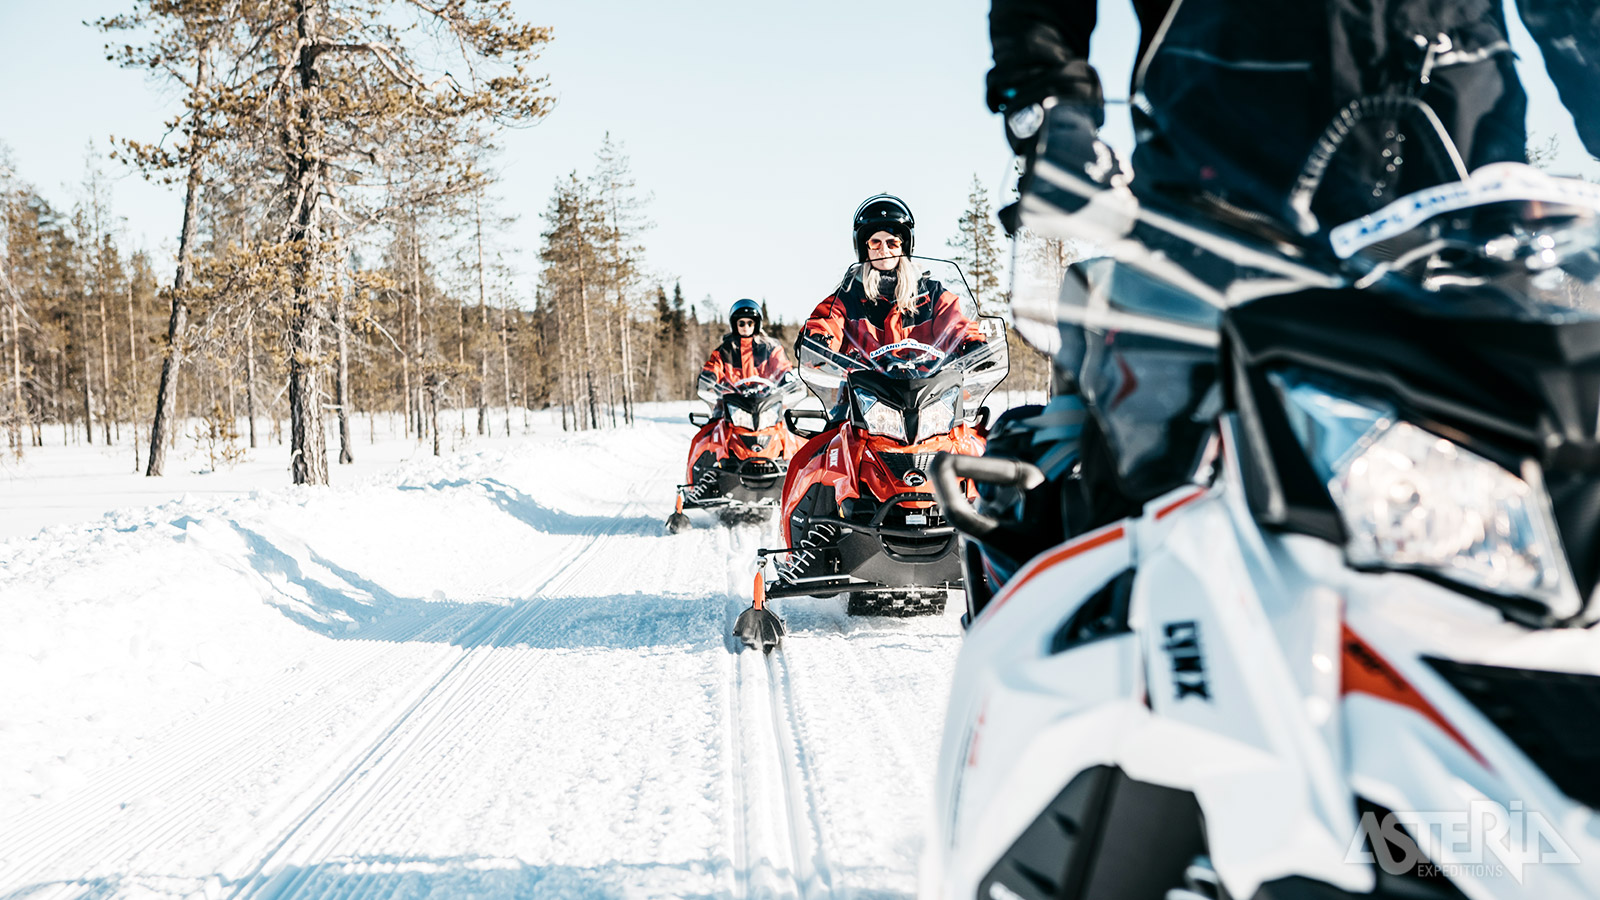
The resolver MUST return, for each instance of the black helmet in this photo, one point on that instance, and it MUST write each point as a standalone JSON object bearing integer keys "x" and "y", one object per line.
{"x": 744, "y": 309}
{"x": 882, "y": 212}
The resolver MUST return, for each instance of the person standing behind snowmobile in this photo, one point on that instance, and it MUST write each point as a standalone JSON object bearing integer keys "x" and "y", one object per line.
{"x": 884, "y": 299}
{"x": 744, "y": 353}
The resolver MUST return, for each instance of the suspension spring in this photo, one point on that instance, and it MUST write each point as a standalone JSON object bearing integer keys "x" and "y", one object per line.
{"x": 707, "y": 480}
{"x": 818, "y": 538}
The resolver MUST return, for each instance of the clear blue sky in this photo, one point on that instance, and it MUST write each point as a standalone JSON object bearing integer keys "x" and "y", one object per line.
{"x": 757, "y": 127}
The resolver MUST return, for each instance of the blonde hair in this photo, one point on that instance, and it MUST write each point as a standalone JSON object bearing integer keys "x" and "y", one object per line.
{"x": 905, "y": 285}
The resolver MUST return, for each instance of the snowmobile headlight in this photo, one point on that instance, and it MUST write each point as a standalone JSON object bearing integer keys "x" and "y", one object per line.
{"x": 881, "y": 418}
{"x": 1411, "y": 499}
{"x": 741, "y": 418}
{"x": 939, "y": 416}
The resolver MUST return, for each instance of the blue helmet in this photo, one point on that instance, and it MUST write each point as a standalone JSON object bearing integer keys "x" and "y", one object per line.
{"x": 744, "y": 309}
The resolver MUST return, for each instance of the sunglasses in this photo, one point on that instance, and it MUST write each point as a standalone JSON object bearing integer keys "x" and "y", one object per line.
{"x": 879, "y": 244}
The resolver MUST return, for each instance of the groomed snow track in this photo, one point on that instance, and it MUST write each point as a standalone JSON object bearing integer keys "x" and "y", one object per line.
{"x": 578, "y": 724}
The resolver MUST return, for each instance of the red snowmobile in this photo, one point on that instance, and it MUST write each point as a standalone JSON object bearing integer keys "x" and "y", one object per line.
{"x": 859, "y": 513}
{"x": 738, "y": 458}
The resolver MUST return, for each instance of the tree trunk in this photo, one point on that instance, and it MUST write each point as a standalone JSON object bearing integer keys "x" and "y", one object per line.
{"x": 564, "y": 377}
{"x": 483, "y": 330}
{"x": 405, "y": 366}
{"x": 161, "y": 426}
{"x": 588, "y": 344}
{"x": 18, "y": 408}
{"x": 341, "y": 383}
{"x": 622, "y": 318}
{"x": 341, "y": 379}
{"x": 88, "y": 374}
{"x": 433, "y": 408}
{"x": 250, "y": 377}
{"x": 416, "y": 316}
{"x": 505, "y": 364}
{"x": 108, "y": 411}
{"x": 307, "y": 443}
{"x": 133, "y": 380}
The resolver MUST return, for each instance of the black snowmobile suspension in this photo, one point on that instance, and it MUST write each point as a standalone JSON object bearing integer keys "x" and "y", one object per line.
{"x": 707, "y": 480}
{"x": 818, "y": 538}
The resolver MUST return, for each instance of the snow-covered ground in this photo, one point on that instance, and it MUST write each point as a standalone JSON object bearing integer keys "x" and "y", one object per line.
{"x": 488, "y": 674}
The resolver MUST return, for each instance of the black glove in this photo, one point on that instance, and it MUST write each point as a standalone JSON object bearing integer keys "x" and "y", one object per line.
{"x": 1070, "y": 167}
{"x": 1069, "y": 139}
{"x": 1022, "y": 128}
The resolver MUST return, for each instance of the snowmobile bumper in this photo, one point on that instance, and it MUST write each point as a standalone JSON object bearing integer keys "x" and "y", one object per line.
{"x": 757, "y": 481}
{"x": 867, "y": 556}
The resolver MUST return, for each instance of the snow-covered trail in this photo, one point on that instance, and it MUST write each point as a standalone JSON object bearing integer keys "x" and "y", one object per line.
{"x": 490, "y": 676}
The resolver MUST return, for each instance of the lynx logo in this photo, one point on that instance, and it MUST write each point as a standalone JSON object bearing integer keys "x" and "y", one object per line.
{"x": 833, "y": 457}
{"x": 1188, "y": 664}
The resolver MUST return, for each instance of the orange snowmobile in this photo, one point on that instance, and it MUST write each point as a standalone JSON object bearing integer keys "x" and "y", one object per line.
{"x": 738, "y": 458}
{"x": 859, "y": 513}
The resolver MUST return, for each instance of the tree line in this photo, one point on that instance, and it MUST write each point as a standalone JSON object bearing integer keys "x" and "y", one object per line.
{"x": 339, "y": 250}
{"x": 427, "y": 320}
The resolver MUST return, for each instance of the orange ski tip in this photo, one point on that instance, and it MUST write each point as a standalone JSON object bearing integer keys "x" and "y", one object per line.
{"x": 760, "y": 593}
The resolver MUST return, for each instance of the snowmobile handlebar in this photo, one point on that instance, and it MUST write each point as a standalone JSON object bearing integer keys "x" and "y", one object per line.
{"x": 949, "y": 468}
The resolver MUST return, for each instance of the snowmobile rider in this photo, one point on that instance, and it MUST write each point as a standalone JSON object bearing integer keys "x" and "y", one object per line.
{"x": 1230, "y": 99}
{"x": 883, "y": 299}
{"x": 744, "y": 353}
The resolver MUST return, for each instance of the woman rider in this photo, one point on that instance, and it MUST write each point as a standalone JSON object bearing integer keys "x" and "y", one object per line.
{"x": 745, "y": 353}
{"x": 884, "y": 299}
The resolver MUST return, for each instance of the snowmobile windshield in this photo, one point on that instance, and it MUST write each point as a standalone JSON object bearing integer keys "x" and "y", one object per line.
{"x": 786, "y": 389}
{"x": 1508, "y": 242}
{"x": 940, "y": 330}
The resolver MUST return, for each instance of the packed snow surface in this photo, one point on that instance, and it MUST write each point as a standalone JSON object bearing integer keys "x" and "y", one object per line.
{"x": 489, "y": 674}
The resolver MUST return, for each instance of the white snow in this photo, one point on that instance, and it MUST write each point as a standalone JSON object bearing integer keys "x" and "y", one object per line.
{"x": 488, "y": 674}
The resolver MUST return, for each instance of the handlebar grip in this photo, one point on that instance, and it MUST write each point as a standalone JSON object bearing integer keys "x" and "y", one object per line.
{"x": 949, "y": 468}
{"x": 998, "y": 470}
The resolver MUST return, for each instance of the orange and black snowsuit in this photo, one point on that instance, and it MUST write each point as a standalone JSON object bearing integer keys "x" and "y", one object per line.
{"x": 849, "y": 322}
{"x": 738, "y": 358}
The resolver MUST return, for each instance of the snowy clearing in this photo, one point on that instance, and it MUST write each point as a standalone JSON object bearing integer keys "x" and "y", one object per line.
{"x": 489, "y": 674}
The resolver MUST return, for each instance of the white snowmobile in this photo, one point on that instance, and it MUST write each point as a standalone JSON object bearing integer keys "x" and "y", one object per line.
{"x": 1353, "y": 658}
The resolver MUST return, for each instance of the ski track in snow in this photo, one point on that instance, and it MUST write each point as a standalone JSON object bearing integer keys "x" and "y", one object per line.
{"x": 579, "y": 724}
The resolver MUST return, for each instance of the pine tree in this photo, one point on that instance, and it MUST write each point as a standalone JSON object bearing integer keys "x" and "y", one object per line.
{"x": 186, "y": 39}
{"x": 977, "y": 246}
{"x": 332, "y": 95}
{"x": 621, "y": 224}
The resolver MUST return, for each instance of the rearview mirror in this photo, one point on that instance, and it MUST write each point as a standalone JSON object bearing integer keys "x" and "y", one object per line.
{"x": 699, "y": 418}
{"x": 791, "y": 417}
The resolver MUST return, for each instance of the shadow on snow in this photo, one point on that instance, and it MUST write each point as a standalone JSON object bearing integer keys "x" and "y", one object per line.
{"x": 342, "y": 604}
{"x": 540, "y": 517}
{"x": 411, "y": 876}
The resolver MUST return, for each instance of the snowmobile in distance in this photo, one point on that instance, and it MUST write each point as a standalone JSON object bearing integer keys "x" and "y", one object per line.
{"x": 1347, "y": 661}
{"x": 858, "y": 513}
{"x": 738, "y": 458}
